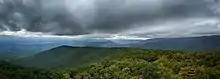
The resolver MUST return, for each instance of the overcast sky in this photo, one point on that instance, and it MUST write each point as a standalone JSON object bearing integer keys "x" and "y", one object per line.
{"x": 140, "y": 18}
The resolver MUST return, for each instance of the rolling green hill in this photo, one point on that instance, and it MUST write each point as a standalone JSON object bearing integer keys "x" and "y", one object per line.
{"x": 115, "y": 63}
{"x": 66, "y": 56}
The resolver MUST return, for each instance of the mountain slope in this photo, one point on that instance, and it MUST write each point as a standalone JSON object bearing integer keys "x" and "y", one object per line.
{"x": 122, "y": 63}
{"x": 205, "y": 43}
{"x": 66, "y": 56}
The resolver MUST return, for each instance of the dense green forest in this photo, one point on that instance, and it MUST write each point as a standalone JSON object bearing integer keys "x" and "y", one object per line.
{"x": 126, "y": 63}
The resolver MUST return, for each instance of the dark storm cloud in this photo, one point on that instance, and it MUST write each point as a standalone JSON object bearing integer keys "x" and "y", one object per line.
{"x": 128, "y": 17}
{"x": 118, "y": 15}
{"x": 38, "y": 16}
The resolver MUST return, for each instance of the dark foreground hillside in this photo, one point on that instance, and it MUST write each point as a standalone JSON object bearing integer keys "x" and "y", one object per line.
{"x": 65, "y": 56}
{"x": 127, "y": 63}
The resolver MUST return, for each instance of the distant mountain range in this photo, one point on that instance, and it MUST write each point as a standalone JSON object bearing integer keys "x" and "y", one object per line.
{"x": 205, "y": 43}
{"x": 17, "y": 46}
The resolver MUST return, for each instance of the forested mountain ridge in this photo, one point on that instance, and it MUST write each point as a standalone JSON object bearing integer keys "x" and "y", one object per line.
{"x": 128, "y": 63}
{"x": 66, "y": 56}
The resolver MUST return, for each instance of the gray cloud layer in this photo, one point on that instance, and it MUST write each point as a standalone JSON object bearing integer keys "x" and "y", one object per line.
{"x": 147, "y": 18}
